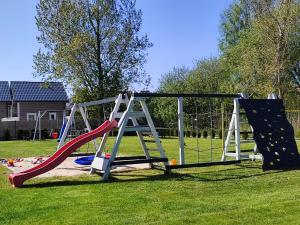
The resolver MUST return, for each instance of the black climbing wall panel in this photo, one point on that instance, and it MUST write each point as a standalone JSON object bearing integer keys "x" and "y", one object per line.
{"x": 273, "y": 134}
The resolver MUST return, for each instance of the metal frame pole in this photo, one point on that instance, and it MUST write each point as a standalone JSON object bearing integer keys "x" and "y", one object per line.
{"x": 69, "y": 122}
{"x": 87, "y": 124}
{"x": 40, "y": 127}
{"x": 237, "y": 128}
{"x": 181, "y": 131}
{"x": 223, "y": 125}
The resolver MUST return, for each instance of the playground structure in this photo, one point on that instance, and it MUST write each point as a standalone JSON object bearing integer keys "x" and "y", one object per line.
{"x": 136, "y": 110}
{"x": 38, "y": 124}
{"x": 273, "y": 133}
{"x": 82, "y": 109}
{"x": 59, "y": 156}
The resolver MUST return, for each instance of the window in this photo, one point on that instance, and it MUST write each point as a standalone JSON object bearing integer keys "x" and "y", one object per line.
{"x": 31, "y": 116}
{"x": 52, "y": 116}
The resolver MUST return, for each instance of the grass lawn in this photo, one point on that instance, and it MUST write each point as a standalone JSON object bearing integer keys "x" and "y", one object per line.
{"x": 234, "y": 194}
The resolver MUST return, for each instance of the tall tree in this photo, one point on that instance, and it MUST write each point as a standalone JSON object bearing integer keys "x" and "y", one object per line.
{"x": 264, "y": 54}
{"x": 165, "y": 109}
{"x": 206, "y": 76}
{"x": 238, "y": 17}
{"x": 94, "y": 46}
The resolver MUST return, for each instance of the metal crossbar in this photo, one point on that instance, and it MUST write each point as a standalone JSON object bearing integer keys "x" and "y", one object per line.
{"x": 177, "y": 95}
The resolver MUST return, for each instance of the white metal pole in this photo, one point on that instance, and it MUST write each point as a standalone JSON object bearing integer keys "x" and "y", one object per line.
{"x": 237, "y": 128}
{"x": 230, "y": 131}
{"x": 181, "y": 130}
{"x": 105, "y": 136}
{"x": 67, "y": 127}
{"x": 40, "y": 127}
{"x": 87, "y": 124}
{"x": 35, "y": 129}
{"x": 118, "y": 139}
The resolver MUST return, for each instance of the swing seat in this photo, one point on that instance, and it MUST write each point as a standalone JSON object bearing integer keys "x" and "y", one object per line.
{"x": 85, "y": 161}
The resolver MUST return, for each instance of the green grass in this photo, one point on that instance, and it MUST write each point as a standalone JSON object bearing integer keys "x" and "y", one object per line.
{"x": 235, "y": 194}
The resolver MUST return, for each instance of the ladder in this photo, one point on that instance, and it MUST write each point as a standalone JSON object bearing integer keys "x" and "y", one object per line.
{"x": 234, "y": 129}
{"x": 132, "y": 113}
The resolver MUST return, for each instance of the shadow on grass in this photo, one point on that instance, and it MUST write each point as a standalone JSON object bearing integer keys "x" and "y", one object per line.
{"x": 189, "y": 177}
{"x": 207, "y": 176}
{"x": 61, "y": 183}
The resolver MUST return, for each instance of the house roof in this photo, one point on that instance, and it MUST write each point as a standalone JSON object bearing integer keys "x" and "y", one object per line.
{"x": 26, "y": 91}
{"x": 4, "y": 92}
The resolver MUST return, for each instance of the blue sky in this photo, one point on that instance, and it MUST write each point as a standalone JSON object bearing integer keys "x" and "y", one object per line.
{"x": 181, "y": 31}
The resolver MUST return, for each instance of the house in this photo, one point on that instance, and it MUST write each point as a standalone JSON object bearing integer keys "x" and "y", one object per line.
{"x": 5, "y": 101}
{"x": 21, "y": 102}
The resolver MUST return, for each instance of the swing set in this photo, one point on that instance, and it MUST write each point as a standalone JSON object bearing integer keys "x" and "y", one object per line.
{"x": 136, "y": 110}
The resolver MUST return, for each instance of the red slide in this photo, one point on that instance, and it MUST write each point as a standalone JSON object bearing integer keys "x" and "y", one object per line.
{"x": 17, "y": 179}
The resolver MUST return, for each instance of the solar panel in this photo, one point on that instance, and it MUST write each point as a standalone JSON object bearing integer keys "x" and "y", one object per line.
{"x": 38, "y": 91}
{"x": 4, "y": 91}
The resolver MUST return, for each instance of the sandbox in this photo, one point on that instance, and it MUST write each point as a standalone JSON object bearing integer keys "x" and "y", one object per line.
{"x": 67, "y": 168}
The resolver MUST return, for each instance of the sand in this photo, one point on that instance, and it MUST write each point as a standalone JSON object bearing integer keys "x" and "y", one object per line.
{"x": 68, "y": 167}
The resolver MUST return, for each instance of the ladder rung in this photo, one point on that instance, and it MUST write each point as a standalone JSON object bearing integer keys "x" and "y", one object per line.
{"x": 137, "y": 128}
{"x": 122, "y": 101}
{"x": 150, "y": 141}
{"x": 230, "y": 154}
{"x": 243, "y": 150}
{"x": 153, "y": 150}
{"x": 242, "y": 156}
{"x": 138, "y": 161}
{"x": 137, "y": 114}
{"x": 245, "y": 132}
{"x": 118, "y": 115}
{"x": 231, "y": 145}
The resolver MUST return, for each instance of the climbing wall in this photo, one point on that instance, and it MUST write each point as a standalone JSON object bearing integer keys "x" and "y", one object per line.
{"x": 273, "y": 133}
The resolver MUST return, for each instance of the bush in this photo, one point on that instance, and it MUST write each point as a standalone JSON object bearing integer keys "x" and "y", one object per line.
{"x": 32, "y": 133}
{"x": 20, "y": 134}
{"x": 163, "y": 133}
{"x": 245, "y": 136}
{"x": 188, "y": 133}
{"x": 23, "y": 134}
{"x": 199, "y": 134}
{"x": 26, "y": 134}
{"x": 205, "y": 133}
{"x": 212, "y": 133}
{"x": 193, "y": 134}
{"x": 6, "y": 135}
{"x": 220, "y": 133}
{"x": 175, "y": 132}
{"x": 45, "y": 134}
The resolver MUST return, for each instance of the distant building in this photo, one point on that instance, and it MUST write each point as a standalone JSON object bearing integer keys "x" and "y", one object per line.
{"x": 21, "y": 101}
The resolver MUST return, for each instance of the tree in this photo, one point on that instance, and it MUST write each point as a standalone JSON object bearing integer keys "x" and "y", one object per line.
{"x": 239, "y": 16}
{"x": 264, "y": 54}
{"x": 165, "y": 109}
{"x": 206, "y": 76}
{"x": 94, "y": 46}
{"x": 234, "y": 20}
